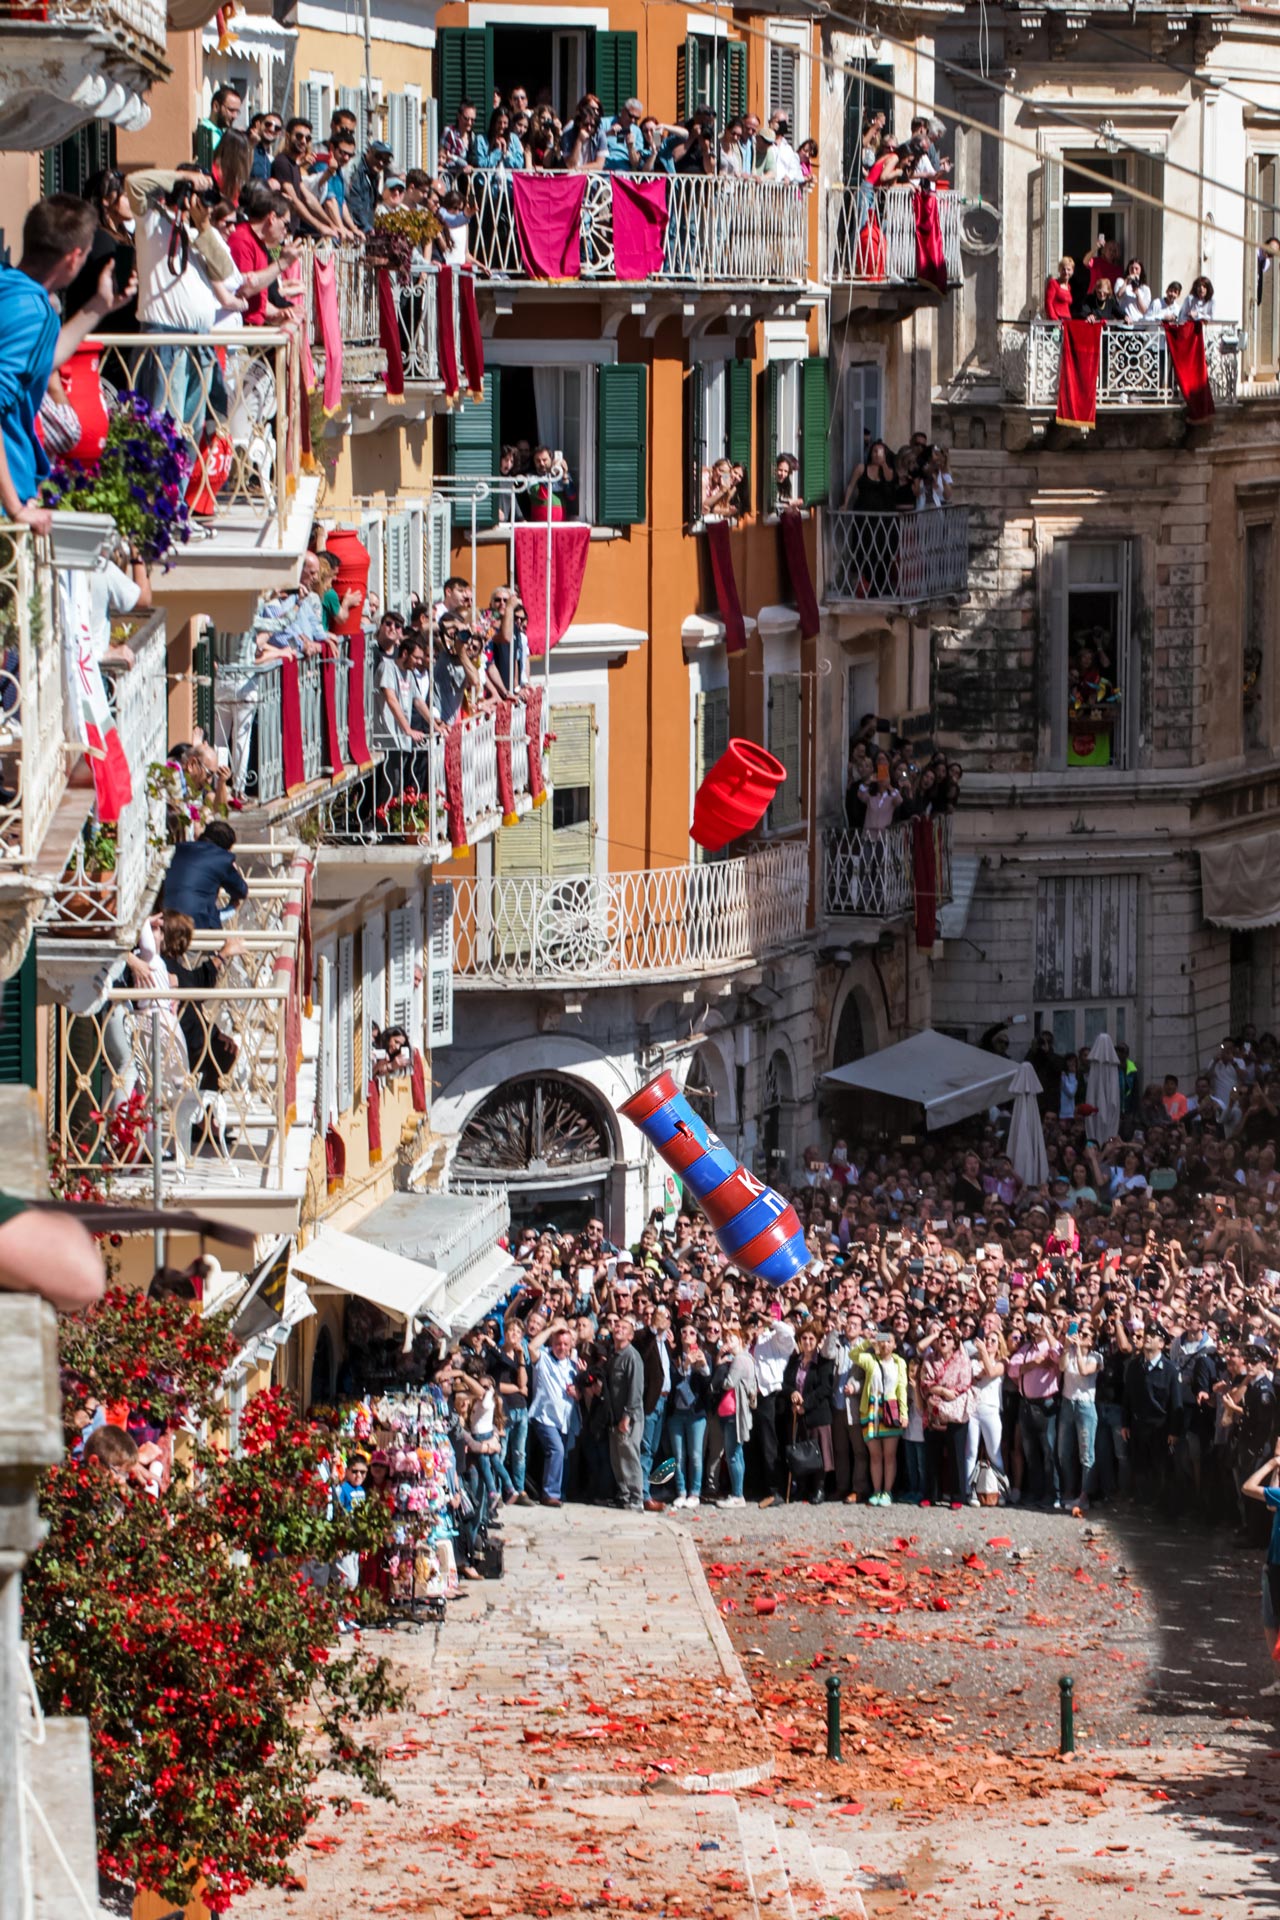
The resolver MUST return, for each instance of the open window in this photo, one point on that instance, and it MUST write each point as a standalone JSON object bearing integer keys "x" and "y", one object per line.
{"x": 1084, "y": 195}
{"x": 596, "y": 416}
{"x": 1262, "y": 295}
{"x": 711, "y": 72}
{"x": 868, "y": 89}
{"x": 797, "y": 423}
{"x": 719, "y": 428}
{"x": 861, "y": 416}
{"x": 1095, "y": 656}
{"x": 558, "y": 66}
{"x": 785, "y": 743}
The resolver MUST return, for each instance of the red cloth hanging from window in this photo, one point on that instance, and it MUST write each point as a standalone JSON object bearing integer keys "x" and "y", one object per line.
{"x": 735, "y": 632}
{"x": 791, "y": 527}
{"x": 548, "y": 211}
{"x": 506, "y": 787}
{"x": 570, "y": 542}
{"x": 924, "y": 867}
{"x": 295, "y": 774}
{"x": 533, "y": 728}
{"x": 389, "y": 333}
{"x": 1078, "y": 374}
{"x": 446, "y": 342}
{"x": 418, "y": 1083}
{"x": 472, "y": 338}
{"x": 1186, "y": 350}
{"x": 335, "y": 1158}
{"x": 373, "y": 1106}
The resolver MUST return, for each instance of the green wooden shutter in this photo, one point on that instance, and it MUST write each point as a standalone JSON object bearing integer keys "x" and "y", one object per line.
{"x": 784, "y": 744}
{"x": 695, "y": 439}
{"x": 737, "y": 402}
{"x": 464, "y": 60}
{"x": 735, "y": 93}
{"x": 474, "y": 449}
{"x": 769, "y": 452}
{"x": 616, "y": 65}
{"x": 622, "y": 453}
{"x": 688, "y": 76}
{"x": 814, "y": 423}
{"x": 573, "y": 789}
{"x": 711, "y": 737}
{"x": 18, "y": 1025}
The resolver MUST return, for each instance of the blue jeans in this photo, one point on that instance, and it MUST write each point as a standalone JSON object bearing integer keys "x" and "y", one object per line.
{"x": 552, "y": 1459}
{"x": 515, "y": 1446}
{"x": 687, "y": 1432}
{"x": 1077, "y": 1433}
{"x": 1112, "y": 1450}
{"x": 485, "y": 1465}
{"x": 735, "y": 1456}
{"x": 915, "y": 1459}
{"x": 649, "y": 1442}
{"x": 1039, "y": 1423}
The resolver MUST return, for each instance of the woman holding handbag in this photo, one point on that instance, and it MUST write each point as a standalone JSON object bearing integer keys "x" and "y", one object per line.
{"x": 809, "y": 1383}
{"x": 946, "y": 1390}
{"x": 882, "y": 1411}
{"x": 733, "y": 1399}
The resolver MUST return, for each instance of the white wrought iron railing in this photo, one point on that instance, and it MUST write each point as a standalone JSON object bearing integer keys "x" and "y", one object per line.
{"x": 364, "y": 359}
{"x": 721, "y": 228}
{"x": 520, "y": 756}
{"x": 33, "y": 755}
{"x": 480, "y": 810}
{"x": 248, "y": 709}
{"x": 668, "y": 922}
{"x": 141, "y": 21}
{"x": 871, "y": 876}
{"x": 871, "y": 235}
{"x": 1134, "y": 368}
{"x": 897, "y": 559}
{"x": 113, "y": 872}
{"x": 400, "y": 802}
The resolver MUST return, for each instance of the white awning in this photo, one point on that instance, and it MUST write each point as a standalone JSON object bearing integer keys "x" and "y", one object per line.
{"x": 1240, "y": 881}
{"x": 473, "y": 1293}
{"x": 949, "y": 1079}
{"x": 405, "y": 1289}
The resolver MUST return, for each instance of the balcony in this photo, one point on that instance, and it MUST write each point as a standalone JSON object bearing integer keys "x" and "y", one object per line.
{"x": 364, "y": 358}
{"x": 902, "y": 560}
{"x": 64, "y": 62}
{"x": 33, "y": 751}
{"x": 113, "y": 873}
{"x": 872, "y": 876}
{"x": 722, "y": 232}
{"x": 250, "y": 727}
{"x": 615, "y": 929}
{"x": 1134, "y": 370}
{"x": 871, "y": 238}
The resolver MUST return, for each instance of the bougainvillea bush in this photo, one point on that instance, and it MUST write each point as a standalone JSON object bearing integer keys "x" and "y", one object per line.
{"x": 185, "y": 1628}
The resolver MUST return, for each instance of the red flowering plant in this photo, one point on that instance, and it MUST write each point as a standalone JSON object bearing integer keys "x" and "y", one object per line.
{"x": 186, "y": 1628}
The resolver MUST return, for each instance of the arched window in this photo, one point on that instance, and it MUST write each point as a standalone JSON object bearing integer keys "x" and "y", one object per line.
{"x": 540, "y": 1124}
{"x": 850, "y": 1044}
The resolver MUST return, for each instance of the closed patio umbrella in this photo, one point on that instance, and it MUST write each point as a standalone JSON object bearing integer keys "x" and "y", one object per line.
{"x": 1104, "y": 1089}
{"x": 1026, "y": 1134}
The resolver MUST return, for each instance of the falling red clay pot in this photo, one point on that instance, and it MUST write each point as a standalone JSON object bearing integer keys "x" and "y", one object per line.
{"x": 352, "y": 556}
{"x": 735, "y": 794}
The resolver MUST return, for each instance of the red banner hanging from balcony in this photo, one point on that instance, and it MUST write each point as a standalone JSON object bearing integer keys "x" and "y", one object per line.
{"x": 332, "y": 738}
{"x": 791, "y": 528}
{"x": 735, "y": 633}
{"x": 548, "y": 210}
{"x": 506, "y": 784}
{"x": 92, "y": 723}
{"x": 931, "y": 255}
{"x": 1078, "y": 374}
{"x": 472, "y": 338}
{"x": 1186, "y": 350}
{"x": 373, "y": 1113}
{"x": 445, "y": 335}
{"x": 533, "y": 728}
{"x": 357, "y": 739}
{"x": 924, "y": 873}
{"x": 557, "y": 549}
{"x": 639, "y": 226}
{"x": 454, "y": 801}
{"x": 325, "y": 283}
{"x": 418, "y": 1082}
{"x": 295, "y": 774}
{"x": 389, "y": 333}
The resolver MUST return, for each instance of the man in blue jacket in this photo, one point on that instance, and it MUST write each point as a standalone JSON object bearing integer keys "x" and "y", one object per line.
{"x": 199, "y": 871}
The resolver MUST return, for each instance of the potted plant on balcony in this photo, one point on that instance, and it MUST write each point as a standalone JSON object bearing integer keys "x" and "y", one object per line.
{"x": 87, "y": 894}
{"x": 139, "y": 480}
{"x": 406, "y": 816}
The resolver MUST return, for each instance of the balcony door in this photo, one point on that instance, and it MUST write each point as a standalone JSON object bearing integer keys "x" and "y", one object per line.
{"x": 1095, "y": 663}
{"x": 1082, "y": 195}
{"x": 550, "y": 854}
{"x": 1086, "y": 975}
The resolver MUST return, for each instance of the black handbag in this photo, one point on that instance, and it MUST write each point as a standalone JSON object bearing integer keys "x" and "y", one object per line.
{"x": 490, "y": 1558}
{"x": 803, "y": 1458}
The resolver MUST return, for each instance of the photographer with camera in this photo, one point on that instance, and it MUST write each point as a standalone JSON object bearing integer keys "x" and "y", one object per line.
{"x": 782, "y": 161}
{"x": 182, "y": 258}
{"x": 584, "y": 142}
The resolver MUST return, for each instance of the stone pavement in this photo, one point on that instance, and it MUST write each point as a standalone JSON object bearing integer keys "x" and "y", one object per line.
{"x": 560, "y": 1726}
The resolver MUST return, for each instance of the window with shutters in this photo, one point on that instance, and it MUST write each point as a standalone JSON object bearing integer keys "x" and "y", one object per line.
{"x": 316, "y": 103}
{"x": 439, "y": 965}
{"x": 785, "y": 745}
{"x": 1086, "y": 957}
{"x": 373, "y": 997}
{"x": 560, "y": 838}
{"x": 412, "y": 127}
{"x": 474, "y": 448}
{"x": 18, "y": 1025}
{"x": 868, "y": 90}
{"x": 67, "y": 167}
{"x": 861, "y": 416}
{"x": 399, "y": 562}
{"x": 719, "y": 429}
{"x": 396, "y": 128}
{"x": 345, "y": 1092}
{"x": 355, "y": 100}
{"x": 798, "y": 424}
{"x": 710, "y": 739}
{"x": 1095, "y": 663}
{"x": 787, "y": 75}
{"x": 402, "y": 960}
{"x": 438, "y": 519}
{"x": 1262, "y": 293}
{"x": 711, "y": 72}
{"x": 1257, "y": 665}
{"x": 1074, "y": 209}
{"x": 327, "y": 1053}
{"x": 464, "y": 66}
{"x": 614, "y": 65}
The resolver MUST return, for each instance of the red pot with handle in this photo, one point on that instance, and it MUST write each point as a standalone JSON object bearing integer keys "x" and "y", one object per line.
{"x": 735, "y": 795}
{"x": 83, "y": 384}
{"x": 352, "y": 556}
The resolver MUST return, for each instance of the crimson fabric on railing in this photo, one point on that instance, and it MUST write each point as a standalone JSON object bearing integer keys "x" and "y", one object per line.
{"x": 533, "y": 729}
{"x": 335, "y": 1158}
{"x": 931, "y": 256}
{"x": 444, "y": 333}
{"x": 735, "y": 632}
{"x": 373, "y": 1114}
{"x": 418, "y": 1083}
{"x": 324, "y": 275}
{"x": 389, "y": 334}
{"x": 924, "y": 872}
{"x": 472, "y": 338}
{"x": 569, "y": 542}
{"x": 291, "y": 725}
{"x": 791, "y": 528}
{"x": 1078, "y": 374}
{"x": 639, "y": 226}
{"x": 548, "y": 210}
{"x": 357, "y": 739}
{"x": 506, "y": 785}
{"x": 332, "y": 738}
{"x": 454, "y": 804}
{"x": 1186, "y": 351}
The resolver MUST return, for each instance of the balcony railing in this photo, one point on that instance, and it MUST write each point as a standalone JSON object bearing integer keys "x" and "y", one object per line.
{"x": 667, "y": 922}
{"x": 131, "y": 21}
{"x": 249, "y": 715}
{"x": 871, "y": 235}
{"x": 1134, "y": 368}
{"x": 33, "y": 757}
{"x": 721, "y": 229}
{"x": 870, "y": 876}
{"x": 364, "y": 360}
{"x": 897, "y": 559}
{"x": 110, "y": 878}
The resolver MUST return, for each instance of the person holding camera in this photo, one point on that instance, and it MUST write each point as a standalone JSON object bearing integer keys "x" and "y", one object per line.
{"x": 182, "y": 259}
{"x": 783, "y": 162}
{"x": 584, "y": 142}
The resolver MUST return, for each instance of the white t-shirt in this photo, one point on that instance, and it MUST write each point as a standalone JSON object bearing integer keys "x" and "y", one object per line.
{"x": 184, "y": 301}
{"x": 110, "y": 591}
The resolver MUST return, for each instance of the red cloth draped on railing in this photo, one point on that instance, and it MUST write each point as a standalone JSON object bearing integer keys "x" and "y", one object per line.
{"x": 871, "y": 254}
{"x": 389, "y": 333}
{"x": 791, "y": 527}
{"x": 299, "y": 410}
{"x": 533, "y": 727}
{"x": 332, "y": 737}
{"x": 506, "y": 786}
{"x": 455, "y": 810}
{"x": 570, "y": 542}
{"x": 335, "y": 1158}
{"x": 1186, "y": 350}
{"x": 548, "y": 210}
{"x": 373, "y": 1107}
{"x": 1078, "y": 373}
{"x": 295, "y": 773}
{"x": 357, "y": 740}
{"x": 418, "y": 1083}
{"x": 735, "y": 633}
{"x": 639, "y": 226}
{"x": 924, "y": 869}
{"x": 444, "y": 335}
{"x": 324, "y": 275}
{"x": 472, "y": 338}
{"x": 931, "y": 255}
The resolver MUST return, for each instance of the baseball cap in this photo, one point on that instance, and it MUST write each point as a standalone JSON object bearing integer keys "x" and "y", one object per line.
{"x": 380, "y": 147}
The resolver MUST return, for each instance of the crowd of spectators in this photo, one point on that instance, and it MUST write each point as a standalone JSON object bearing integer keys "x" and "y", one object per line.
{"x": 886, "y": 162}
{"x": 890, "y": 778}
{"x": 1101, "y": 289}
{"x": 914, "y": 480}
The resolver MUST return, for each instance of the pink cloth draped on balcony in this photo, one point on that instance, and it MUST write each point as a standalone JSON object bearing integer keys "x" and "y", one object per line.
{"x": 570, "y": 541}
{"x": 472, "y": 338}
{"x": 639, "y": 226}
{"x": 325, "y": 283}
{"x": 791, "y": 527}
{"x": 1186, "y": 350}
{"x": 444, "y": 335}
{"x": 735, "y": 633}
{"x": 389, "y": 333}
{"x": 332, "y": 738}
{"x": 924, "y": 870}
{"x": 335, "y": 1158}
{"x": 357, "y": 740}
{"x": 295, "y": 775}
{"x": 533, "y": 728}
{"x": 455, "y": 808}
{"x": 931, "y": 258}
{"x": 548, "y": 210}
{"x": 506, "y": 786}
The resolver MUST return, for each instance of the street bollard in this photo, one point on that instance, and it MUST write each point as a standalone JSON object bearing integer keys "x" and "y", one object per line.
{"x": 1066, "y": 1687}
{"x": 833, "y": 1718}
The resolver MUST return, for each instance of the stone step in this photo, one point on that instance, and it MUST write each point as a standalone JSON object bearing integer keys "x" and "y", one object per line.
{"x": 842, "y": 1880}
{"x": 766, "y": 1865}
{"x": 808, "y": 1890}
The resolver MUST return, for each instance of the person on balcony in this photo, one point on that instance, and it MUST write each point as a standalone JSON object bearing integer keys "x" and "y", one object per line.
{"x": 364, "y": 183}
{"x": 500, "y": 146}
{"x": 550, "y": 494}
{"x": 224, "y": 111}
{"x": 106, "y": 194}
{"x": 584, "y": 142}
{"x": 697, "y": 152}
{"x": 307, "y": 217}
{"x": 1101, "y": 304}
{"x": 507, "y": 674}
{"x": 456, "y": 142}
{"x": 1133, "y": 295}
{"x": 200, "y": 872}
{"x": 659, "y": 145}
{"x": 327, "y": 181}
{"x": 783, "y": 162}
{"x": 626, "y": 145}
{"x": 732, "y": 152}
{"x": 1167, "y": 306}
{"x": 454, "y": 675}
{"x": 871, "y": 482}
{"x": 257, "y": 245}
{"x": 294, "y": 623}
{"x": 1057, "y": 292}
{"x": 264, "y": 130}
{"x": 1198, "y": 304}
